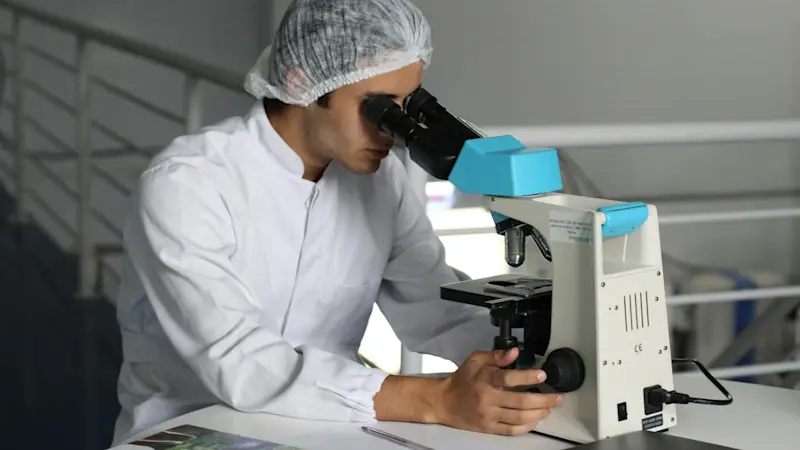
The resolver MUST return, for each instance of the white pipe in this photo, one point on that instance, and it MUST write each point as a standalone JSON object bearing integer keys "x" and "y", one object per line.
{"x": 410, "y": 362}
{"x": 729, "y": 216}
{"x": 465, "y": 231}
{"x": 674, "y": 219}
{"x": 751, "y": 370}
{"x": 732, "y": 296}
{"x": 650, "y": 134}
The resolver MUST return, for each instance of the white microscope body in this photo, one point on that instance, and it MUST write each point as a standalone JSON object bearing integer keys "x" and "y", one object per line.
{"x": 593, "y": 301}
{"x": 608, "y": 304}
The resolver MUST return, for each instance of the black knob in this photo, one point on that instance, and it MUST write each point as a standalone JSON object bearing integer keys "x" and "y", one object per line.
{"x": 505, "y": 341}
{"x": 565, "y": 370}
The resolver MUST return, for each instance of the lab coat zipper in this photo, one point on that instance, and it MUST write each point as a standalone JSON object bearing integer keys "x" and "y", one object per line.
{"x": 309, "y": 204}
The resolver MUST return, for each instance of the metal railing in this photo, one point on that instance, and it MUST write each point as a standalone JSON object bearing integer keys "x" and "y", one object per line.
{"x": 91, "y": 254}
{"x": 586, "y": 136}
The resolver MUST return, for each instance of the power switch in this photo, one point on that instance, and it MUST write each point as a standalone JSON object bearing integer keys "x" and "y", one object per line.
{"x": 622, "y": 411}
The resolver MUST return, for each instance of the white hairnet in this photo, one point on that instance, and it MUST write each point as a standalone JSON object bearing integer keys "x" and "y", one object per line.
{"x": 322, "y": 45}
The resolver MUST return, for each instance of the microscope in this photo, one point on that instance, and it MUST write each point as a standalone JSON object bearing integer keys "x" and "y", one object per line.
{"x": 591, "y": 300}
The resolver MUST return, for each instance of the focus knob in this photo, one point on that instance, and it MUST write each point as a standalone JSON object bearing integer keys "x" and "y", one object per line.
{"x": 565, "y": 370}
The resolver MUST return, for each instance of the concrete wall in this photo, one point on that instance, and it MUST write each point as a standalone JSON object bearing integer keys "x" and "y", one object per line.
{"x": 225, "y": 34}
{"x": 620, "y": 61}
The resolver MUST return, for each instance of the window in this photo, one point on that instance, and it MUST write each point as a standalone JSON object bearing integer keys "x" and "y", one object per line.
{"x": 471, "y": 245}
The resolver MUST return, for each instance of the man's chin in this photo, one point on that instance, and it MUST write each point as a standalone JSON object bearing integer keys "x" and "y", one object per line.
{"x": 366, "y": 168}
{"x": 362, "y": 166}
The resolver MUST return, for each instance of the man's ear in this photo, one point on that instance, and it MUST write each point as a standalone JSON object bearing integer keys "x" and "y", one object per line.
{"x": 325, "y": 100}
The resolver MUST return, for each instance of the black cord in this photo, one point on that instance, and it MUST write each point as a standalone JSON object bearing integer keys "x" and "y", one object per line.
{"x": 662, "y": 396}
{"x": 540, "y": 241}
{"x": 704, "y": 401}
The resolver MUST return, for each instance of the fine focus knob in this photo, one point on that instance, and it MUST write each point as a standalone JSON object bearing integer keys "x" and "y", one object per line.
{"x": 565, "y": 370}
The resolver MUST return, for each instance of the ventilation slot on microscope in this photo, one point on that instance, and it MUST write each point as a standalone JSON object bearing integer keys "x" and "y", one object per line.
{"x": 637, "y": 311}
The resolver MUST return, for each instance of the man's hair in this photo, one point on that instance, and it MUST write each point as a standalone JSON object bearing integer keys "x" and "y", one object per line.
{"x": 274, "y": 105}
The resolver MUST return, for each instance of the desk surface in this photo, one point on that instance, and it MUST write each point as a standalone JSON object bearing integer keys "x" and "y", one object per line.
{"x": 760, "y": 417}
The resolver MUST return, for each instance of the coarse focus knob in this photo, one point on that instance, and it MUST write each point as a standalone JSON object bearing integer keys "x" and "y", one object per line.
{"x": 565, "y": 370}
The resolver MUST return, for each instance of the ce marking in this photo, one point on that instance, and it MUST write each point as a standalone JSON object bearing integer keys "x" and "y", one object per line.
{"x": 637, "y": 348}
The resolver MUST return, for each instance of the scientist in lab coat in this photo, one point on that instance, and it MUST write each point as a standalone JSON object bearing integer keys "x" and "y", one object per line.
{"x": 257, "y": 247}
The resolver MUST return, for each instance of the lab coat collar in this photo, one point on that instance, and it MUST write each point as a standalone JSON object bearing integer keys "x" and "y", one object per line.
{"x": 258, "y": 124}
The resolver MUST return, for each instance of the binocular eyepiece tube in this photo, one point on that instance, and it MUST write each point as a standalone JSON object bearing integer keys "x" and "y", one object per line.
{"x": 433, "y": 136}
{"x": 389, "y": 117}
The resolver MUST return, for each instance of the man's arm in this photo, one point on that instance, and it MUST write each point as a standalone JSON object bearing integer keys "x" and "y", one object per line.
{"x": 409, "y": 295}
{"x": 409, "y": 399}
{"x": 476, "y": 397}
{"x": 180, "y": 241}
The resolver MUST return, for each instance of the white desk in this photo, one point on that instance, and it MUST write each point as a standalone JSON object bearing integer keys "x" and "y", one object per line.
{"x": 760, "y": 418}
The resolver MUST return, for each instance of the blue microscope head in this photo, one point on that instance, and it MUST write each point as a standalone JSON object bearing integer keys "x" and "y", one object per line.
{"x": 449, "y": 149}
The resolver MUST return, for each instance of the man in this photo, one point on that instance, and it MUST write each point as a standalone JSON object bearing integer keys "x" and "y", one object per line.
{"x": 258, "y": 246}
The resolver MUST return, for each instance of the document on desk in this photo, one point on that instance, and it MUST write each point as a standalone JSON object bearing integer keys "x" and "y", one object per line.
{"x": 189, "y": 437}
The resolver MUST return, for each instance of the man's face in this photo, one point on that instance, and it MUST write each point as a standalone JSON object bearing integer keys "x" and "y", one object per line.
{"x": 341, "y": 132}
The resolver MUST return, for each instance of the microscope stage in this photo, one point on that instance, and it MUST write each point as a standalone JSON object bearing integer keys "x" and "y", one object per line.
{"x": 491, "y": 291}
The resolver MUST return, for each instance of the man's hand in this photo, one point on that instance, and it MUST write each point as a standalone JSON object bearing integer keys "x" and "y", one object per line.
{"x": 475, "y": 397}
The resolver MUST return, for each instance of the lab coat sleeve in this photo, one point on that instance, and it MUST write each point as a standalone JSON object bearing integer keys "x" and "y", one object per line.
{"x": 180, "y": 242}
{"x": 410, "y": 293}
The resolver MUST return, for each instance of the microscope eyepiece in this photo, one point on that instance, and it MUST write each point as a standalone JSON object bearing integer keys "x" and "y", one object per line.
{"x": 426, "y": 110}
{"x": 421, "y": 104}
{"x": 433, "y": 136}
{"x": 389, "y": 117}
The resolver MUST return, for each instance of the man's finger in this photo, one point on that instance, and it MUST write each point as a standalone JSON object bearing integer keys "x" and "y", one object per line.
{"x": 514, "y": 378}
{"x": 528, "y": 417}
{"x": 529, "y": 400}
{"x": 496, "y": 358}
{"x": 503, "y": 358}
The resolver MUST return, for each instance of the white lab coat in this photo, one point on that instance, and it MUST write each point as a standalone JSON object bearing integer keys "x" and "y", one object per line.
{"x": 246, "y": 285}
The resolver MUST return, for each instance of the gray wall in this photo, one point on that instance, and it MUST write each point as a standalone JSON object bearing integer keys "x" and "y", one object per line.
{"x": 225, "y": 34}
{"x": 514, "y": 62}
{"x": 544, "y": 62}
